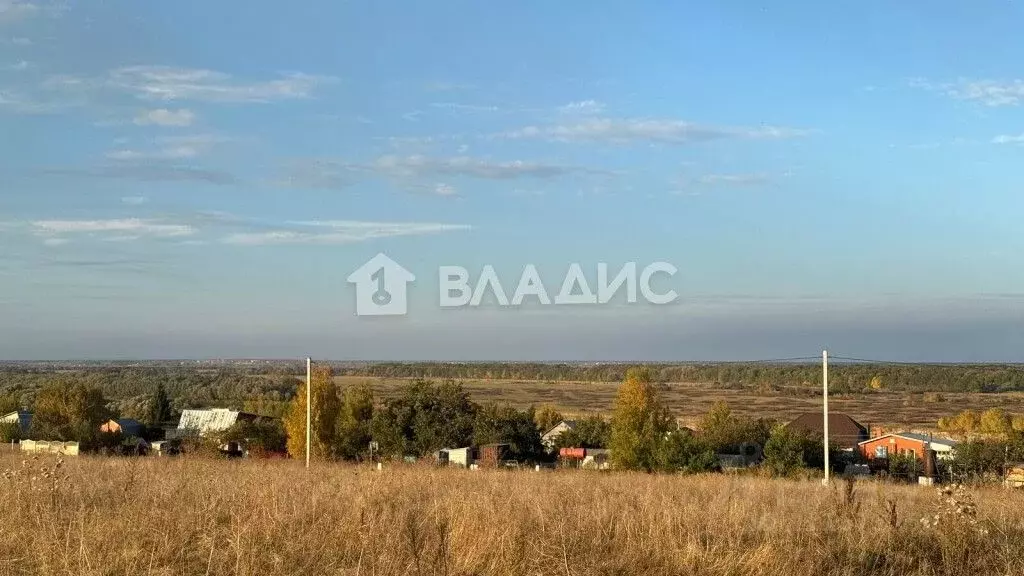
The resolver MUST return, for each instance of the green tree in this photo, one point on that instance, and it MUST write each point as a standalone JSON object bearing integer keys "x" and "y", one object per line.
{"x": 788, "y": 450}
{"x": 159, "y": 407}
{"x": 590, "y": 432}
{"x": 639, "y": 423}
{"x": 506, "y": 425}
{"x": 8, "y": 404}
{"x": 355, "y": 421}
{"x": 323, "y": 417}
{"x": 261, "y": 437}
{"x": 682, "y": 452}
{"x": 905, "y": 466}
{"x": 424, "y": 418}
{"x": 546, "y": 417}
{"x": 69, "y": 411}
{"x": 995, "y": 421}
{"x": 725, "y": 431}
{"x": 10, "y": 432}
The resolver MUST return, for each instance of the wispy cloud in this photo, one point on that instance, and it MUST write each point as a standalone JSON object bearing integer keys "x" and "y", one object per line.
{"x": 582, "y": 107}
{"x": 456, "y": 107}
{"x": 734, "y": 179}
{"x": 447, "y": 86}
{"x": 1008, "y": 139}
{"x": 149, "y": 172}
{"x": 338, "y": 232}
{"x": 992, "y": 93}
{"x": 422, "y": 172}
{"x": 164, "y": 117}
{"x": 171, "y": 84}
{"x": 21, "y": 103}
{"x": 20, "y": 66}
{"x": 166, "y": 83}
{"x": 16, "y": 10}
{"x": 170, "y": 148}
{"x": 134, "y": 200}
{"x": 442, "y": 189}
{"x": 624, "y": 131}
{"x": 419, "y": 166}
{"x": 56, "y": 232}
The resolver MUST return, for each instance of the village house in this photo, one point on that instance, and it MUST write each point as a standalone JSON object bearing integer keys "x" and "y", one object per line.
{"x": 210, "y": 421}
{"x": 843, "y": 431}
{"x": 549, "y": 438}
{"x": 906, "y": 443}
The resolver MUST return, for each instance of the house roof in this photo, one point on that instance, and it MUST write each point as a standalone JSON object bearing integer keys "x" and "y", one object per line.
{"x": 570, "y": 424}
{"x": 842, "y": 428}
{"x": 20, "y": 417}
{"x": 915, "y": 436}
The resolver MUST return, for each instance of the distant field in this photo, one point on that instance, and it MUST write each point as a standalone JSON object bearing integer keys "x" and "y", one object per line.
{"x": 168, "y": 516}
{"x": 690, "y": 400}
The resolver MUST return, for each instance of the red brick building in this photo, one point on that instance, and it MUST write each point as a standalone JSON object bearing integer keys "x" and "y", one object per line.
{"x": 900, "y": 443}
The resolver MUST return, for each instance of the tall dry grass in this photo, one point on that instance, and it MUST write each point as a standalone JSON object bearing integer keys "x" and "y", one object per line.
{"x": 93, "y": 516}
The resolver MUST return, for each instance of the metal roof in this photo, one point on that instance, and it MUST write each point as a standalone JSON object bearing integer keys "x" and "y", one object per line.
{"x": 915, "y": 436}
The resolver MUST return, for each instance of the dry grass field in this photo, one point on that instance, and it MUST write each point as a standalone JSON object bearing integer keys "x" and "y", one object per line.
{"x": 166, "y": 516}
{"x": 689, "y": 401}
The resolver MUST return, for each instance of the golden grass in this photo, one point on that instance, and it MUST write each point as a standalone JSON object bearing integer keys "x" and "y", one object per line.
{"x": 192, "y": 516}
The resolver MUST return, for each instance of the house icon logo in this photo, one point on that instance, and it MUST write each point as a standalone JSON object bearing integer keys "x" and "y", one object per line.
{"x": 381, "y": 287}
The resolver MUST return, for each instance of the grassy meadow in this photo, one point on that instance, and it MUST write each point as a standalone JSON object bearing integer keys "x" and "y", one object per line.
{"x": 169, "y": 516}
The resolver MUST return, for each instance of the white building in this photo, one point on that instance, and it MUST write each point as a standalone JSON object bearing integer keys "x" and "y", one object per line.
{"x": 549, "y": 437}
{"x": 208, "y": 421}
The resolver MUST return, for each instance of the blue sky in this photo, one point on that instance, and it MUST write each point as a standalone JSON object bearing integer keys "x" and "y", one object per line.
{"x": 196, "y": 179}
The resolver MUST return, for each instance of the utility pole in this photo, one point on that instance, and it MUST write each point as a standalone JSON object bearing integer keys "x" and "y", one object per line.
{"x": 309, "y": 407}
{"x": 824, "y": 385}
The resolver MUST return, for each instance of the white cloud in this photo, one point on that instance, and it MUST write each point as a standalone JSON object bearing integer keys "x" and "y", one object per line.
{"x": 107, "y": 229}
{"x": 443, "y": 189}
{"x": 55, "y": 241}
{"x": 169, "y": 84}
{"x": 992, "y": 93}
{"x": 734, "y": 179}
{"x": 16, "y": 10}
{"x": 421, "y": 172}
{"x": 338, "y": 232}
{"x": 464, "y": 108}
{"x": 20, "y": 66}
{"x": 623, "y": 131}
{"x": 149, "y": 172}
{"x": 170, "y": 148}
{"x": 1008, "y": 139}
{"x": 170, "y": 153}
{"x": 134, "y": 200}
{"x": 583, "y": 107}
{"x": 19, "y": 103}
{"x": 165, "y": 117}
{"x": 420, "y": 166}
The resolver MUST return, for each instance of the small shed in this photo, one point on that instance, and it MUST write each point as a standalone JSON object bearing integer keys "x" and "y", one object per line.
{"x": 456, "y": 456}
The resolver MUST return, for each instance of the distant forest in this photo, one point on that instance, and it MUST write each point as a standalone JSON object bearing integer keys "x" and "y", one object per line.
{"x": 266, "y": 386}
